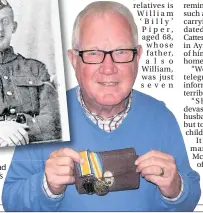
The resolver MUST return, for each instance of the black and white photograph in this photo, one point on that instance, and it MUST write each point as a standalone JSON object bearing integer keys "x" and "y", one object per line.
{"x": 33, "y": 105}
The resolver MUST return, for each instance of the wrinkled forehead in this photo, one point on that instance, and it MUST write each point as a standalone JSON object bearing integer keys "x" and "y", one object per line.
{"x": 101, "y": 15}
{"x": 96, "y": 18}
{"x": 99, "y": 26}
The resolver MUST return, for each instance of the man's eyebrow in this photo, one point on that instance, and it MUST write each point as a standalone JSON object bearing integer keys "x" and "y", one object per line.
{"x": 123, "y": 46}
{"x": 90, "y": 48}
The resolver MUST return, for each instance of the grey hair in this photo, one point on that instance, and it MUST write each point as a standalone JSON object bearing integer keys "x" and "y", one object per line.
{"x": 103, "y": 7}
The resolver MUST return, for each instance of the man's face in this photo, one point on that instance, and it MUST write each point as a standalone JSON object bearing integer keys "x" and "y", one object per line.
{"x": 7, "y": 27}
{"x": 108, "y": 83}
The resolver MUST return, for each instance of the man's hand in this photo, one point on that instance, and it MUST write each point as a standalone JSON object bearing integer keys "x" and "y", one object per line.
{"x": 160, "y": 169}
{"x": 59, "y": 169}
{"x": 13, "y": 133}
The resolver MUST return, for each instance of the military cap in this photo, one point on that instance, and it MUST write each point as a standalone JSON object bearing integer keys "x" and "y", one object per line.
{"x": 4, "y": 3}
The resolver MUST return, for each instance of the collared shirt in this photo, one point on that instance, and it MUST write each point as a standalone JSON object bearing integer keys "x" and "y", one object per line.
{"x": 107, "y": 124}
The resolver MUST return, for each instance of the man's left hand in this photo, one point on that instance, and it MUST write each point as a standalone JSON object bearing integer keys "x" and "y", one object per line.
{"x": 160, "y": 169}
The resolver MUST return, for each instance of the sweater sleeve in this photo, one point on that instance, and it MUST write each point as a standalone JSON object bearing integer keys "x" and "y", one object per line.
{"x": 173, "y": 144}
{"x": 23, "y": 187}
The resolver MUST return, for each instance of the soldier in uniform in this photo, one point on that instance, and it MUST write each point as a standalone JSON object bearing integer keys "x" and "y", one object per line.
{"x": 28, "y": 101}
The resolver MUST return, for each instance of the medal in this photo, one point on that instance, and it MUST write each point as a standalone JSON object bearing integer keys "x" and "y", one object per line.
{"x": 101, "y": 187}
{"x": 92, "y": 171}
{"x": 88, "y": 184}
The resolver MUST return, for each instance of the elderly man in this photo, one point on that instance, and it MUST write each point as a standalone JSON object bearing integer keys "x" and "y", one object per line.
{"x": 106, "y": 114}
{"x": 28, "y": 101}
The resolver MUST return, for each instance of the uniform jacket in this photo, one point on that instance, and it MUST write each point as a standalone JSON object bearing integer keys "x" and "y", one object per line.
{"x": 25, "y": 88}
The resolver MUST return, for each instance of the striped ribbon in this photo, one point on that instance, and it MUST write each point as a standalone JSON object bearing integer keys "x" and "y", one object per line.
{"x": 92, "y": 164}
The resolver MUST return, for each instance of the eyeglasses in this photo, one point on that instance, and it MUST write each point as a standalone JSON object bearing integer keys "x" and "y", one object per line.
{"x": 98, "y": 56}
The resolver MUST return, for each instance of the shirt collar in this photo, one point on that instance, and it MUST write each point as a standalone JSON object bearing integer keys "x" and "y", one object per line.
{"x": 108, "y": 124}
{"x": 7, "y": 55}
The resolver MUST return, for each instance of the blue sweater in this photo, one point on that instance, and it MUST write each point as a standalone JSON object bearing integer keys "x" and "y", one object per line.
{"x": 148, "y": 126}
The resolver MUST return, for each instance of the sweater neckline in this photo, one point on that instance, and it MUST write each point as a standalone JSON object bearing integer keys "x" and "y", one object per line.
{"x": 124, "y": 123}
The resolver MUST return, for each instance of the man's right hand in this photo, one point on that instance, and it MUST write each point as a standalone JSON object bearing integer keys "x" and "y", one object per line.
{"x": 59, "y": 169}
{"x": 13, "y": 133}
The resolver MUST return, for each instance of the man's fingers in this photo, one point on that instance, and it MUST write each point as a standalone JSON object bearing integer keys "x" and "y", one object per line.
{"x": 153, "y": 161}
{"x": 24, "y": 134}
{"x": 159, "y": 181}
{"x": 9, "y": 141}
{"x": 152, "y": 170}
{"x": 61, "y": 180}
{"x": 13, "y": 133}
{"x": 65, "y": 161}
{"x": 64, "y": 171}
{"x": 67, "y": 152}
{"x": 20, "y": 138}
{"x": 59, "y": 168}
{"x": 154, "y": 153}
{"x": 14, "y": 140}
{"x": 25, "y": 126}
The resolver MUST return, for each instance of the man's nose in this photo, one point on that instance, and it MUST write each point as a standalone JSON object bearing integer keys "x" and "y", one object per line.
{"x": 108, "y": 66}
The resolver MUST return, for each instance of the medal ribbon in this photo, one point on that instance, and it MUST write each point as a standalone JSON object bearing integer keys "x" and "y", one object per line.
{"x": 96, "y": 163}
{"x": 92, "y": 164}
{"x": 85, "y": 168}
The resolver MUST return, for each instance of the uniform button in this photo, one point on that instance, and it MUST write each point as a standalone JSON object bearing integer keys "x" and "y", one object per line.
{"x": 9, "y": 93}
{"x": 12, "y": 111}
{"x": 30, "y": 82}
{"x": 5, "y": 77}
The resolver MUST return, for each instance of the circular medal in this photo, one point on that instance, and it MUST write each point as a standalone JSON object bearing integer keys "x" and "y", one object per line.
{"x": 88, "y": 185}
{"x": 101, "y": 187}
{"x": 108, "y": 178}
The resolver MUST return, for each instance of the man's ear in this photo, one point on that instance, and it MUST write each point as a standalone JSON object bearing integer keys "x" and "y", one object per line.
{"x": 139, "y": 53}
{"x": 15, "y": 25}
{"x": 73, "y": 58}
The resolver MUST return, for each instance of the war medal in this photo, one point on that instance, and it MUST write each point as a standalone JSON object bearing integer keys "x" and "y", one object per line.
{"x": 101, "y": 187}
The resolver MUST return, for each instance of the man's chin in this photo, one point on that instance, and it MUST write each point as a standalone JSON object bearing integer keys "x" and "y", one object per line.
{"x": 109, "y": 100}
{"x": 2, "y": 47}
